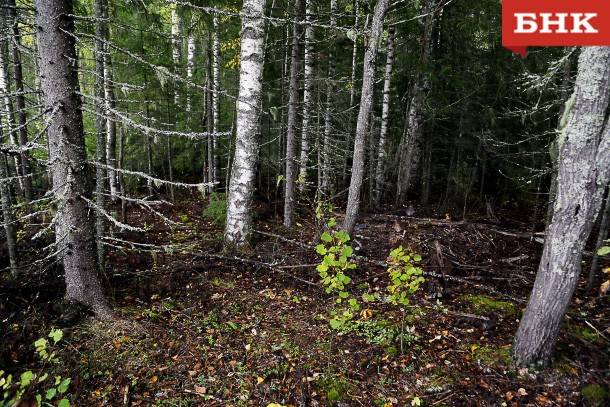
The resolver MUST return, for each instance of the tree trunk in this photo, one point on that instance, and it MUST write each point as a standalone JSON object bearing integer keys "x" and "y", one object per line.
{"x": 215, "y": 100}
{"x": 73, "y": 225}
{"x": 604, "y": 224}
{"x": 209, "y": 108}
{"x": 362, "y": 125}
{"x": 176, "y": 49}
{"x": 7, "y": 212}
{"x": 190, "y": 65}
{"x": 307, "y": 96}
{"x": 100, "y": 127}
{"x": 410, "y": 143}
{"x": 293, "y": 100}
{"x": 243, "y": 171}
{"x": 20, "y": 101}
{"x": 584, "y": 166}
{"x": 385, "y": 113}
{"x": 326, "y": 147}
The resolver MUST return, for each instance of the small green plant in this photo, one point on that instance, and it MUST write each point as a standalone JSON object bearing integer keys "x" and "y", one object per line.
{"x": 405, "y": 277}
{"x": 336, "y": 261}
{"x": 39, "y": 384}
{"x": 216, "y": 211}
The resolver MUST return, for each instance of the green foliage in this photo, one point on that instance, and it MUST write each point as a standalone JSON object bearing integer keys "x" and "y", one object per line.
{"x": 482, "y": 304}
{"x": 603, "y": 251}
{"x": 334, "y": 387}
{"x": 333, "y": 268}
{"x": 216, "y": 211}
{"x": 37, "y": 384}
{"x": 594, "y": 394}
{"x": 405, "y": 277}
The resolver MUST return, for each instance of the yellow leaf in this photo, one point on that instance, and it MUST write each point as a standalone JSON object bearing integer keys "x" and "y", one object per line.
{"x": 474, "y": 347}
{"x": 275, "y": 405}
{"x": 603, "y": 289}
{"x": 259, "y": 380}
{"x": 366, "y": 313}
{"x": 154, "y": 379}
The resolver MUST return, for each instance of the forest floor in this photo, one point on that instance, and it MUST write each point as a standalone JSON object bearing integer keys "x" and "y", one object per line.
{"x": 197, "y": 327}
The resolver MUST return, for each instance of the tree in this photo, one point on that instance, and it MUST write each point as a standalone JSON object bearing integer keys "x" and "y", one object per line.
{"x": 385, "y": 112}
{"x": 583, "y": 172}
{"x": 7, "y": 211}
{"x": 364, "y": 115}
{"x": 74, "y": 234}
{"x": 243, "y": 171}
{"x": 308, "y": 77}
{"x": 293, "y": 100}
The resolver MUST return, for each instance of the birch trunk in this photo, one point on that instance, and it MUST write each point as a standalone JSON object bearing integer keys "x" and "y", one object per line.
{"x": 20, "y": 100}
{"x": 73, "y": 224}
{"x": 410, "y": 143}
{"x": 307, "y": 97}
{"x": 293, "y": 100}
{"x": 362, "y": 125}
{"x": 326, "y": 148}
{"x": 215, "y": 99}
{"x": 243, "y": 172}
{"x": 7, "y": 212}
{"x": 111, "y": 131}
{"x": 385, "y": 113}
{"x": 583, "y": 172}
{"x": 176, "y": 49}
{"x": 190, "y": 66}
{"x": 100, "y": 127}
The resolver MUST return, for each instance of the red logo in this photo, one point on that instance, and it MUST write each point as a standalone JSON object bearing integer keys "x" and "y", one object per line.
{"x": 528, "y": 23}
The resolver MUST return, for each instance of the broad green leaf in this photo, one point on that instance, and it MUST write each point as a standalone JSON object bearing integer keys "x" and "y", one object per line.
{"x": 26, "y": 378}
{"x": 603, "y": 251}
{"x": 64, "y": 385}
{"x": 64, "y": 403}
{"x": 56, "y": 335}
{"x": 326, "y": 237}
{"x": 51, "y": 393}
{"x": 321, "y": 249}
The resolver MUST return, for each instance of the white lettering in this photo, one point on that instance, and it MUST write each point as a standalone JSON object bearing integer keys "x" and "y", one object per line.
{"x": 526, "y": 23}
{"x": 548, "y": 21}
{"x": 580, "y": 22}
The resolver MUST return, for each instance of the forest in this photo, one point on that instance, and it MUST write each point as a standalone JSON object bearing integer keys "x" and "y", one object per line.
{"x": 299, "y": 203}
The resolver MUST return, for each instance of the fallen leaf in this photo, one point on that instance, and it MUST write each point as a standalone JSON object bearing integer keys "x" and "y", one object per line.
{"x": 259, "y": 379}
{"x": 521, "y": 391}
{"x": 154, "y": 379}
{"x": 200, "y": 390}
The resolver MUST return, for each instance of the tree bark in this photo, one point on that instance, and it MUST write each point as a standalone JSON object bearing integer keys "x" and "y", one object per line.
{"x": 73, "y": 224}
{"x": 293, "y": 100}
{"x": 7, "y": 212}
{"x": 385, "y": 113}
{"x": 604, "y": 224}
{"x": 111, "y": 144}
{"x": 583, "y": 171}
{"x": 20, "y": 100}
{"x": 99, "y": 7}
{"x": 411, "y": 140}
{"x": 190, "y": 65}
{"x": 243, "y": 171}
{"x": 307, "y": 96}
{"x": 326, "y": 147}
{"x": 362, "y": 125}
{"x": 176, "y": 48}
{"x": 215, "y": 100}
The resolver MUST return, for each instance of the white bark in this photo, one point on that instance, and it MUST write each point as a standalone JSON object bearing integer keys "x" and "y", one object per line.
{"x": 7, "y": 212}
{"x": 583, "y": 173}
{"x": 307, "y": 97}
{"x": 215, "y": 99}
{"x": 190, "y": 65}
{"x": 176, "y": 48}
{"x": 243, "y": 171}
{"x": 385, "y": 112}
{"x": 326, "y": 147}
{"x": 362, "y": 125}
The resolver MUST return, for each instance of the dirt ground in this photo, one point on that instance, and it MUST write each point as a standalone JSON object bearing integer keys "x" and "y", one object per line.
{"x": 196, "y": 327}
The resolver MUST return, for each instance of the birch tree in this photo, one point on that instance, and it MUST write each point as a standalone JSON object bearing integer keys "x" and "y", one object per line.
{"x": 99, "y": 7}
{"x": 326, "y": 147}
{"x": 364, "y": 116}
{"x": 215, "y": 100}
{"x": 293, "y": 100}
{"x": 243, "y": 171}
{"x": 385, "y": 113}
{"x": 74, "y": 236}
{"x": 308, "y": 79}
{"x": 583, "y": 173}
